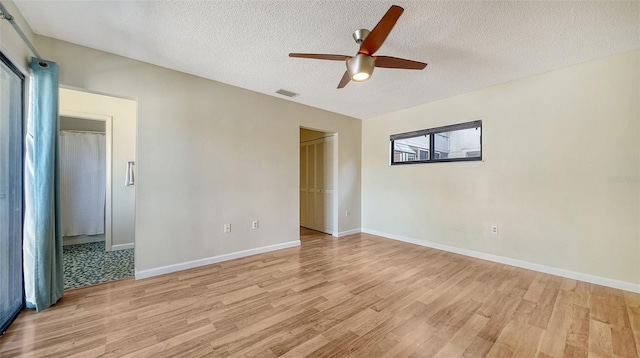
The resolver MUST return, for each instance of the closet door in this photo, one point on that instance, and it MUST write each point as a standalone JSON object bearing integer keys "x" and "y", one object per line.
{"x": 318, "y": 194}
{"x": 311, "y": 186}
{"x": 327, "y": 185}
{"x": 303, "y": 185}
{"x": 316, "y": 185}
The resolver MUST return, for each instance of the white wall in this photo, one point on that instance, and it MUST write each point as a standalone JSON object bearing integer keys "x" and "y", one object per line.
{"x": 210, "y": 154}
{"x": 123, "y": 149}
{"x": 554, "y": 147}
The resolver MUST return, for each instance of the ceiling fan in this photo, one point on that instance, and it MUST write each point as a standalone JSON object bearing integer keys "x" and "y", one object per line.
{"x": 360, "y": 67}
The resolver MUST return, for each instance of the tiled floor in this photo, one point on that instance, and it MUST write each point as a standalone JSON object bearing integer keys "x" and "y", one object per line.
{"x": 88, "y": 264}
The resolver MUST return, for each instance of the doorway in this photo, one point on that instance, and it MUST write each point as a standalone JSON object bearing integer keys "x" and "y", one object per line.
{"x": 317, "y": 194}
{"x": 97, "y": 157}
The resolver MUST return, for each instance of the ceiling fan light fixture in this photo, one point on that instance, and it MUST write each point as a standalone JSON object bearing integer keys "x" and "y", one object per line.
{"x": 361, "y": 76}
{"x": 360, "y": 67}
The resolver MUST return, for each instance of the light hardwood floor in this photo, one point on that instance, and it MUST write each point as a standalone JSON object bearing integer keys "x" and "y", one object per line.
{"x": 360, "y": 295}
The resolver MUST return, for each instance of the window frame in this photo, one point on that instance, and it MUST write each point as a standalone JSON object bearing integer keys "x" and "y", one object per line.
{"x": 431, "y": 132}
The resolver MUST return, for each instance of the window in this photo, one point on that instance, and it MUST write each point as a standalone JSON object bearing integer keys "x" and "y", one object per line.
{"x": 11, "y": 284}
{"x": 454, "y": 143}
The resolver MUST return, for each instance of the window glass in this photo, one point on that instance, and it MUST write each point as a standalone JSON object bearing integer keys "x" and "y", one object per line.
{"x": 411, "y": 149}
{"x": 464, "y": 143}
{"x": 11, "y": 287}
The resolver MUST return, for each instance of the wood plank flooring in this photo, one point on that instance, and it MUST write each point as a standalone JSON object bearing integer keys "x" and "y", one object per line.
{"x": 360, "y": 296}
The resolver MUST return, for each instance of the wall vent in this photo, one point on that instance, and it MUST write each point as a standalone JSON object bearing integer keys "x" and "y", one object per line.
{"x": 287, "y": 93}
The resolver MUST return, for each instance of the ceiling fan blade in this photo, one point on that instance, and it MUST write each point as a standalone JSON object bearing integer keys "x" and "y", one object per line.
{"x": 394, "y": 62}
{"x": 321, "y": 56}
{"x": 376, "y": 37}
{"x": 345, "y": 79}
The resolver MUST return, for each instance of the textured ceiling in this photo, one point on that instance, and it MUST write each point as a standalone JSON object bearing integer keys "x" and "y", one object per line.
{"x": 468, "y": 45}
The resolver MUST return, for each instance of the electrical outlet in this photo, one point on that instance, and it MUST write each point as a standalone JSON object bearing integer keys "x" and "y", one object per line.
{"x": 255, "y": 224}
{"x": 494, "y": 229}
{"x": 227, "y": 228}
{"x": 347, "y": 213}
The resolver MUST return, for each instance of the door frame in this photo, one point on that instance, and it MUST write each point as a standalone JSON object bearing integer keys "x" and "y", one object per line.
{"x": 334, "y": 199}
{"x": 108, "y": 138}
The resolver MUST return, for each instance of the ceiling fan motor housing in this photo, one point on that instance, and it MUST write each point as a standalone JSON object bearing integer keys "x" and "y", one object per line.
{"x": 360, "y": 35}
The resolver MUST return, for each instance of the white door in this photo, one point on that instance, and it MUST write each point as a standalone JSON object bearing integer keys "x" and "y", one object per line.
{"x": 316, "y": 184}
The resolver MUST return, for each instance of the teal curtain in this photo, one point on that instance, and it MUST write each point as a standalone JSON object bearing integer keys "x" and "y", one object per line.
{"x": 43, "y": 266}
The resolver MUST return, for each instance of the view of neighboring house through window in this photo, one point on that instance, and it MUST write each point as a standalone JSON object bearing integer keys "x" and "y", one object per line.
{"x": 411, "y": 149}
{"x": 458, "y": 142}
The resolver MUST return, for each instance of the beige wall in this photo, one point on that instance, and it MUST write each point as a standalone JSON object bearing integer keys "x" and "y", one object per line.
{"x": 210, "y": 154}
{"x": 559, "y": 176}
{"x": 123, "y": 149}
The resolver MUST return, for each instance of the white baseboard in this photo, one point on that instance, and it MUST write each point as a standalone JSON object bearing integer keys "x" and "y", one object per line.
{"x": 121, "y": 247}
{"x": 81, "y": 239}
{"x": 212, "y": 260}
{"x": 609, "y": 282}
{"x": 348, "y": 232}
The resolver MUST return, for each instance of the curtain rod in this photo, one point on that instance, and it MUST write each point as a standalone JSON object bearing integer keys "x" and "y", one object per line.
{"x": 4, "y": 14}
